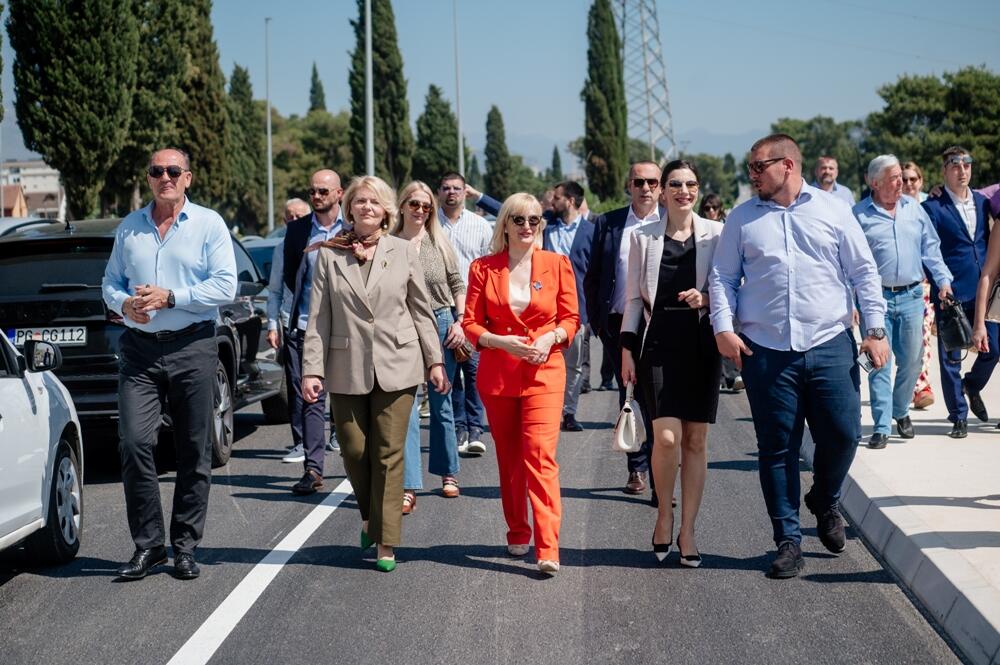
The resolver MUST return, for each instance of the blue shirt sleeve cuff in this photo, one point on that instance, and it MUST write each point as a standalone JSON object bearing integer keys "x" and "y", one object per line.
{"x": 182, "y": 297}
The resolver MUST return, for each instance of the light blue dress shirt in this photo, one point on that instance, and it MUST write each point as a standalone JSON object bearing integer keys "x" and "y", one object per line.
{"x": 841, "y": 192}
{"x": 562, "y": 235}
{"x": 195, "y": 260}
{"x": 317, "y": 234}
{"x": 788, "y": 274}
{"x": 279, "y": 298}
{"x": 903, "y": 246}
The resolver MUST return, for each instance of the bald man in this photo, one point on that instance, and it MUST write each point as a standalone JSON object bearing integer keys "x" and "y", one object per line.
{"x": 325, "y": 221}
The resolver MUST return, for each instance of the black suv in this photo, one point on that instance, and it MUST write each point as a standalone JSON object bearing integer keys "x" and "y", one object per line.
{"x": 50, "y": 289}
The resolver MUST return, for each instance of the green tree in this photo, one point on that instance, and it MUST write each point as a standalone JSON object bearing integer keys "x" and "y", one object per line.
{"x": 74, "y": 77}
{"x": 474, "y": 177}
{"x": 525, "y": 179}
{"x": 303, "y": 146}
{"x": 605, "y": 130}
{"x": 499, "y": 167}
{"x": 437, "y": 139}
{"x": 317, "y": 98}
{"x": 246, "y": 200}
{"x": 202, "y": 118}
{"x": 638, "y": 151}
{"x": 555, "y": 173}
{"x": 153, "y": 125}
{"x": 714, "y": 177}
{"x": 825, "y": 136}
{"x": 393, "y": 137}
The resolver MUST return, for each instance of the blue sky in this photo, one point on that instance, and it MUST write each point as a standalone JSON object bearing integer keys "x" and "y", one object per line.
{"x": 733, "y": 66}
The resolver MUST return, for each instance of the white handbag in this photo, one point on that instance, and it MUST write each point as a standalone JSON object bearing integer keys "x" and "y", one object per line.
{"x": 993, "y": 303}
{"x": 629, "y": 432}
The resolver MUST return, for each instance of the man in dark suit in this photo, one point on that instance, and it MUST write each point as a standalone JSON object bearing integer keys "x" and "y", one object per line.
{"x": 605, "y": 286}
{"x": 571, "y": 235}
{"x": 961, "y": 218}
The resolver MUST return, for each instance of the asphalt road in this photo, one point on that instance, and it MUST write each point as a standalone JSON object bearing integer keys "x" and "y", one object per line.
{"x": 455, "y": 596}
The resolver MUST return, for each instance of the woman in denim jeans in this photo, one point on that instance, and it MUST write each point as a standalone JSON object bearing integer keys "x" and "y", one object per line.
{"x": 418, "y": 223}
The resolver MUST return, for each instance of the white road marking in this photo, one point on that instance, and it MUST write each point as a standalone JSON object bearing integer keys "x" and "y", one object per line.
{"x": 217, "y": 627}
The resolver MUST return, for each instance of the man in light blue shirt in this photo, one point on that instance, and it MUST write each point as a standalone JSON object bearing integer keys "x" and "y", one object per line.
{"x": 903, "y": 241}
{"x": 786, "y": 265}
{"x": 827, "y": 171}
{"x": 171, "y": 267}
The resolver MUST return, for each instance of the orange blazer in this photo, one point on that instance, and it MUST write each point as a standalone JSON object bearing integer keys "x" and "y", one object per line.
{"x": 487, "y": 309}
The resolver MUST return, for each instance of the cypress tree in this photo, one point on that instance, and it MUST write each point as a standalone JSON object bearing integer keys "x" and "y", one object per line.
{"x": 74, "y": 77}
{"x": 437, "y": 139}
{"x": 202, "y": 117}
{"x": 555, "y": 171}
{"x": 499, "y": 166}
{"x": 393, "y": 137}
{"x": 317, "y": 98}
{"x": 605, "y": 125}
{"x": 475, "y": 176}
{"x": 247, "y": 199}
{"x": 159, "y": 72}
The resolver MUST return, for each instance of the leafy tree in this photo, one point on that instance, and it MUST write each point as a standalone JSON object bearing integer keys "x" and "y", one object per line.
{"x": 523, "y": 178}
{"x": 605, "y": 129}
{"x": 74, "y": 77}
{"x": 246, "y": 200}
{"x": 475, "y": 177}
{"x": 437, "y": 139}
{"x": 392, "y": 135}
{"x": 159, "y": 73}
{"x": 638, "y": 151}
{"x": 317, "y": 98}
{"x": 714, "y": 175}
{"x": 555, "y": 173}
{"x": 202, "y": 118}
{"x": 825, "y": 136}
{"x": 499, "y": 178}
{"x": 303, "y": 146}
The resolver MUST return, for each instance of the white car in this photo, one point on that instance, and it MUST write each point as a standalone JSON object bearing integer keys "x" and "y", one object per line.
{"x": 41, "y": 456}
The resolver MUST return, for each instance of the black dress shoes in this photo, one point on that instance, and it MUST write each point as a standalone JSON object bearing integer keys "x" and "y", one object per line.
{"x": 636, "y": 483}
{"x": 878, "y": 441}
{"x": 142, "y": 562}
{"x": 975, "y": 402}
{"x": 185, "y": 567}
{"x": 959, "y": 430}
{"x": 905, "y": 427}
{"x": 788, "y": 562}
{"x": 308, "y": 483}
{"x": 569, "y": 424}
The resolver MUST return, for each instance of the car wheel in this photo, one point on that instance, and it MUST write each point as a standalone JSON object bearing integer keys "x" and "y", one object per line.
{"x": 276, "y": 408}
{"x": 222, "y": 418}
{"x": 59, "y": 541}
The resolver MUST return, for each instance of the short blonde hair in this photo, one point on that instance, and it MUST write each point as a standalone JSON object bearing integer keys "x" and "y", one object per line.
{"x": 433, "y": 226}
{"x": 383, "y": 193}
{"x": 520, "y": 203}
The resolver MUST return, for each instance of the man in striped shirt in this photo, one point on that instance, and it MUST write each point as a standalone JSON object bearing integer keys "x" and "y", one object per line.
{"x": 470, "y": 235}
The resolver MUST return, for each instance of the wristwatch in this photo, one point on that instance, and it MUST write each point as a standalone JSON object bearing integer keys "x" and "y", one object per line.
{"x": 877, "y": 333}
{"x": 171, "y": 302}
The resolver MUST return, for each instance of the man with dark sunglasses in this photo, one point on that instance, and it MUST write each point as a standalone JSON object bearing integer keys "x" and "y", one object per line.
{"x": 787, "y": 267}
{"x": 604, "y": 285}
{"x": 171, "y": 267}
{"x": 307, "y": 418}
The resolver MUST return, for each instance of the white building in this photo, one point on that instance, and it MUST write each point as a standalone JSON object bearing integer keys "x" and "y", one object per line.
{"x": 41, "y": 184}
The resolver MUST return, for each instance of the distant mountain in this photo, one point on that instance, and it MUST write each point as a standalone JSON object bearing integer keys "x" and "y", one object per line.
{"x": 703, "y": 140}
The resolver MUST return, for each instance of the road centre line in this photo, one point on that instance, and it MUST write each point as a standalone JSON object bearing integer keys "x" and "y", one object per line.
{"x": 200, "y": 648}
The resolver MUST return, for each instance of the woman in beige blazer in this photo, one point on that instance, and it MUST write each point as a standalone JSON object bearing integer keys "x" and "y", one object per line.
{"x": 371, "y": 336}
{"x": 679, "y": 365}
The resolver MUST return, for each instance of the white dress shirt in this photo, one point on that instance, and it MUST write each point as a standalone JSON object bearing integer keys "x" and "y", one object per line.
{"x": 632, "y": 222}
{"x": 966, "y": 209}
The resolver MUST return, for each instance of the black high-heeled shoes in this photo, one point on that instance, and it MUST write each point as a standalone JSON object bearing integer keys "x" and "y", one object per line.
{"x": 660, "y": 550}
{"x": 690, "y": 561}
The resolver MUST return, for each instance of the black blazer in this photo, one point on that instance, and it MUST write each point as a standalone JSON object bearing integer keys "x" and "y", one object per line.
{"x": 296, "y": 239}
{"x": 579, "y": 257}
{"x": 599, "y": 282}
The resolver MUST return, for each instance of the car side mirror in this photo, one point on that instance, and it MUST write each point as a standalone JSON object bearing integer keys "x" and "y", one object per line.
{"x": 42, "y": 356}
{"x": 249, "y": 288}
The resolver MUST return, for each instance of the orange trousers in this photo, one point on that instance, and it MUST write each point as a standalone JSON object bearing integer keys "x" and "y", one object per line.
{"x": 526, "y": 432}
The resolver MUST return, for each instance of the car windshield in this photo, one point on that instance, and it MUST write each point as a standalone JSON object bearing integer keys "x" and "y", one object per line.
{"x": 34, "y": 270}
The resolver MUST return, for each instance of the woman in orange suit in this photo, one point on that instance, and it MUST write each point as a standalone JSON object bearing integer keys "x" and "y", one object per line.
{"x": 521, "y": 312}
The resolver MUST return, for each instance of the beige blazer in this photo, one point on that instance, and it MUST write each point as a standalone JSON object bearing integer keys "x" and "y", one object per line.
{"x": 384, "y": 328}
{"x": 644, "y": 257}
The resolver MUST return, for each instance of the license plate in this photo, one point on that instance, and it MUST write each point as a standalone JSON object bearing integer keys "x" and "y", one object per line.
{"x": 62, "y": 336}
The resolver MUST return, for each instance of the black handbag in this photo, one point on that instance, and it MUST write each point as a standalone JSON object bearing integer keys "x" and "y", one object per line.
{"x": 953, "y": 326}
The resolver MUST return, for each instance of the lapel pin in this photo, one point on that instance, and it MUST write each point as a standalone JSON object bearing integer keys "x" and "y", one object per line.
{"x": 537, "y": 285}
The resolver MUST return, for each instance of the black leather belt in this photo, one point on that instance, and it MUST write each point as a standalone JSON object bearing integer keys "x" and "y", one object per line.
{"x": 897, "y": 289}
{"x": 170, "y": 335}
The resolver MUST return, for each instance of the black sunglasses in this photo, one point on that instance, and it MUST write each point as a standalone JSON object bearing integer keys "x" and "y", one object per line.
{"x": 322, "y": 191}
{"x": 677, "y": 184}
{"x": 639, "y": 182}
{"x": 173, "y": 171}
{"x": 758, "y": 167}
{"x": 531, "y": 220}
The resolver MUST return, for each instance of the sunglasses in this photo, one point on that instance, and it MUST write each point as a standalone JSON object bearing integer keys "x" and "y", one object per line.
{"x": 692, "y": 185}
{"x": 758, "y": 167}
{"x": 915, "y": 178}
{"x": 531, "y": 220}
{"x": 955, "y": 160}
{"x": 322, "y": 191}
{"x": 417, "y": 206}
{"x": 712, "y": 208}
{"x": 653, "y": 183}
{"x": 173, "y": 171}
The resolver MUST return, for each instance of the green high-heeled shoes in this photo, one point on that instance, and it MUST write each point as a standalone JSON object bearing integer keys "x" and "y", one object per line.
{"x": 386, "y": 565}
{"x": 366, "y": 542}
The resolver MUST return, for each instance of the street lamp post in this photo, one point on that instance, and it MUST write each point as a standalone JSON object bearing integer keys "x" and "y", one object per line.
{"x": 267, "y": 91}
{"x": 458, "y": 92}
{"x": 369, "y": 109}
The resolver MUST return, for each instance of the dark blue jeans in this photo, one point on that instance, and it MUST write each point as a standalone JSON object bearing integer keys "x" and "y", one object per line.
{"x": 470, "y": 416}
{"x": 975, "y": 378}
{"x": 821, "y": 386}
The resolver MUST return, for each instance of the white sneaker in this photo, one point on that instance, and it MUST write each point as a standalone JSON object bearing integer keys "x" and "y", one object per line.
{"x": 476, "y": 446}
{"x": 548, "y": 567}
{"x": 424, "y": 410}
{"x": 517, "y": 550}
{"x": 333, "y": 446}
{"x": 463, "y": 443}
{"x": 297, "y": 454}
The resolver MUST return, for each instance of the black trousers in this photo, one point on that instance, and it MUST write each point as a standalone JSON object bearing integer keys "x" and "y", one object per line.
{"x": 181, "y": 370}
{"x": 609, "y": 338}
{"x": 308, "y": 420}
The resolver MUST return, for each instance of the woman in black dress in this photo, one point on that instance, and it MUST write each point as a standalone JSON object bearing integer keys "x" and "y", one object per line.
{"x": 679, "y": 365}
